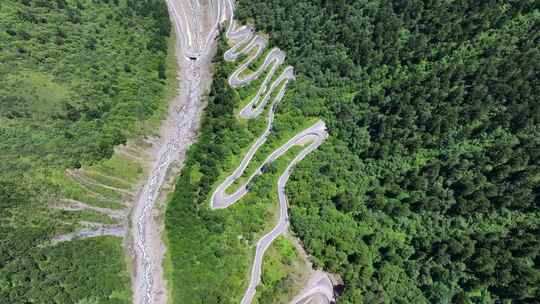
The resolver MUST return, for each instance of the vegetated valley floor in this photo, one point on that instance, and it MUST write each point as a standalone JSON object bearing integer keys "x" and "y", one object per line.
{"x": 428, "y": 190}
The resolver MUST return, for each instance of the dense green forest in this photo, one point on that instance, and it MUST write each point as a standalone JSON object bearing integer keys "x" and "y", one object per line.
{"x": 77, "y": 77}
{"x": 428, "y": 190}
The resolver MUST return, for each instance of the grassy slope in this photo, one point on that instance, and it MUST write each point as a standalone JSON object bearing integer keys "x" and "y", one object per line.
{"x": 284, "y": 273}
{"x": 80, "y": 77}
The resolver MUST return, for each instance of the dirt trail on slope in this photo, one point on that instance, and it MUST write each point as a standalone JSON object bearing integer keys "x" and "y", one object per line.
{"x": 193, "y": 22}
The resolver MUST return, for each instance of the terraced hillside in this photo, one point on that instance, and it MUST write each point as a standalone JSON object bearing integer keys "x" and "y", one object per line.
{"x": 78, "y": 79}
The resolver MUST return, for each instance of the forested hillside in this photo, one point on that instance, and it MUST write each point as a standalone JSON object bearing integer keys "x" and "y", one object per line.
{"x": 429, "y": 189}
{"x": 210, "y": 251}
{"x": 77, "y": 77}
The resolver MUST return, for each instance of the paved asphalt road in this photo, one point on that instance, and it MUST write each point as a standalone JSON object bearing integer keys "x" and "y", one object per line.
{"x": 196, "y": 26}
{"x": 253, "y": 46}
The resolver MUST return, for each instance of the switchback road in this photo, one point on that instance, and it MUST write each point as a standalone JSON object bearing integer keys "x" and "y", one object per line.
{"x": 245, "y": 42}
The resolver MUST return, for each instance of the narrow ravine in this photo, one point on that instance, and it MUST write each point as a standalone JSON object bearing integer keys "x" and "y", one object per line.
{"x": 195, "y": 24}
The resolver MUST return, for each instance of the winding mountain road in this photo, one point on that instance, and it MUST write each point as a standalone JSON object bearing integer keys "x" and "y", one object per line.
{"x": 196, "y": 24}
{"x": 319, "y": 290}
{"x": 247, "y": 43}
